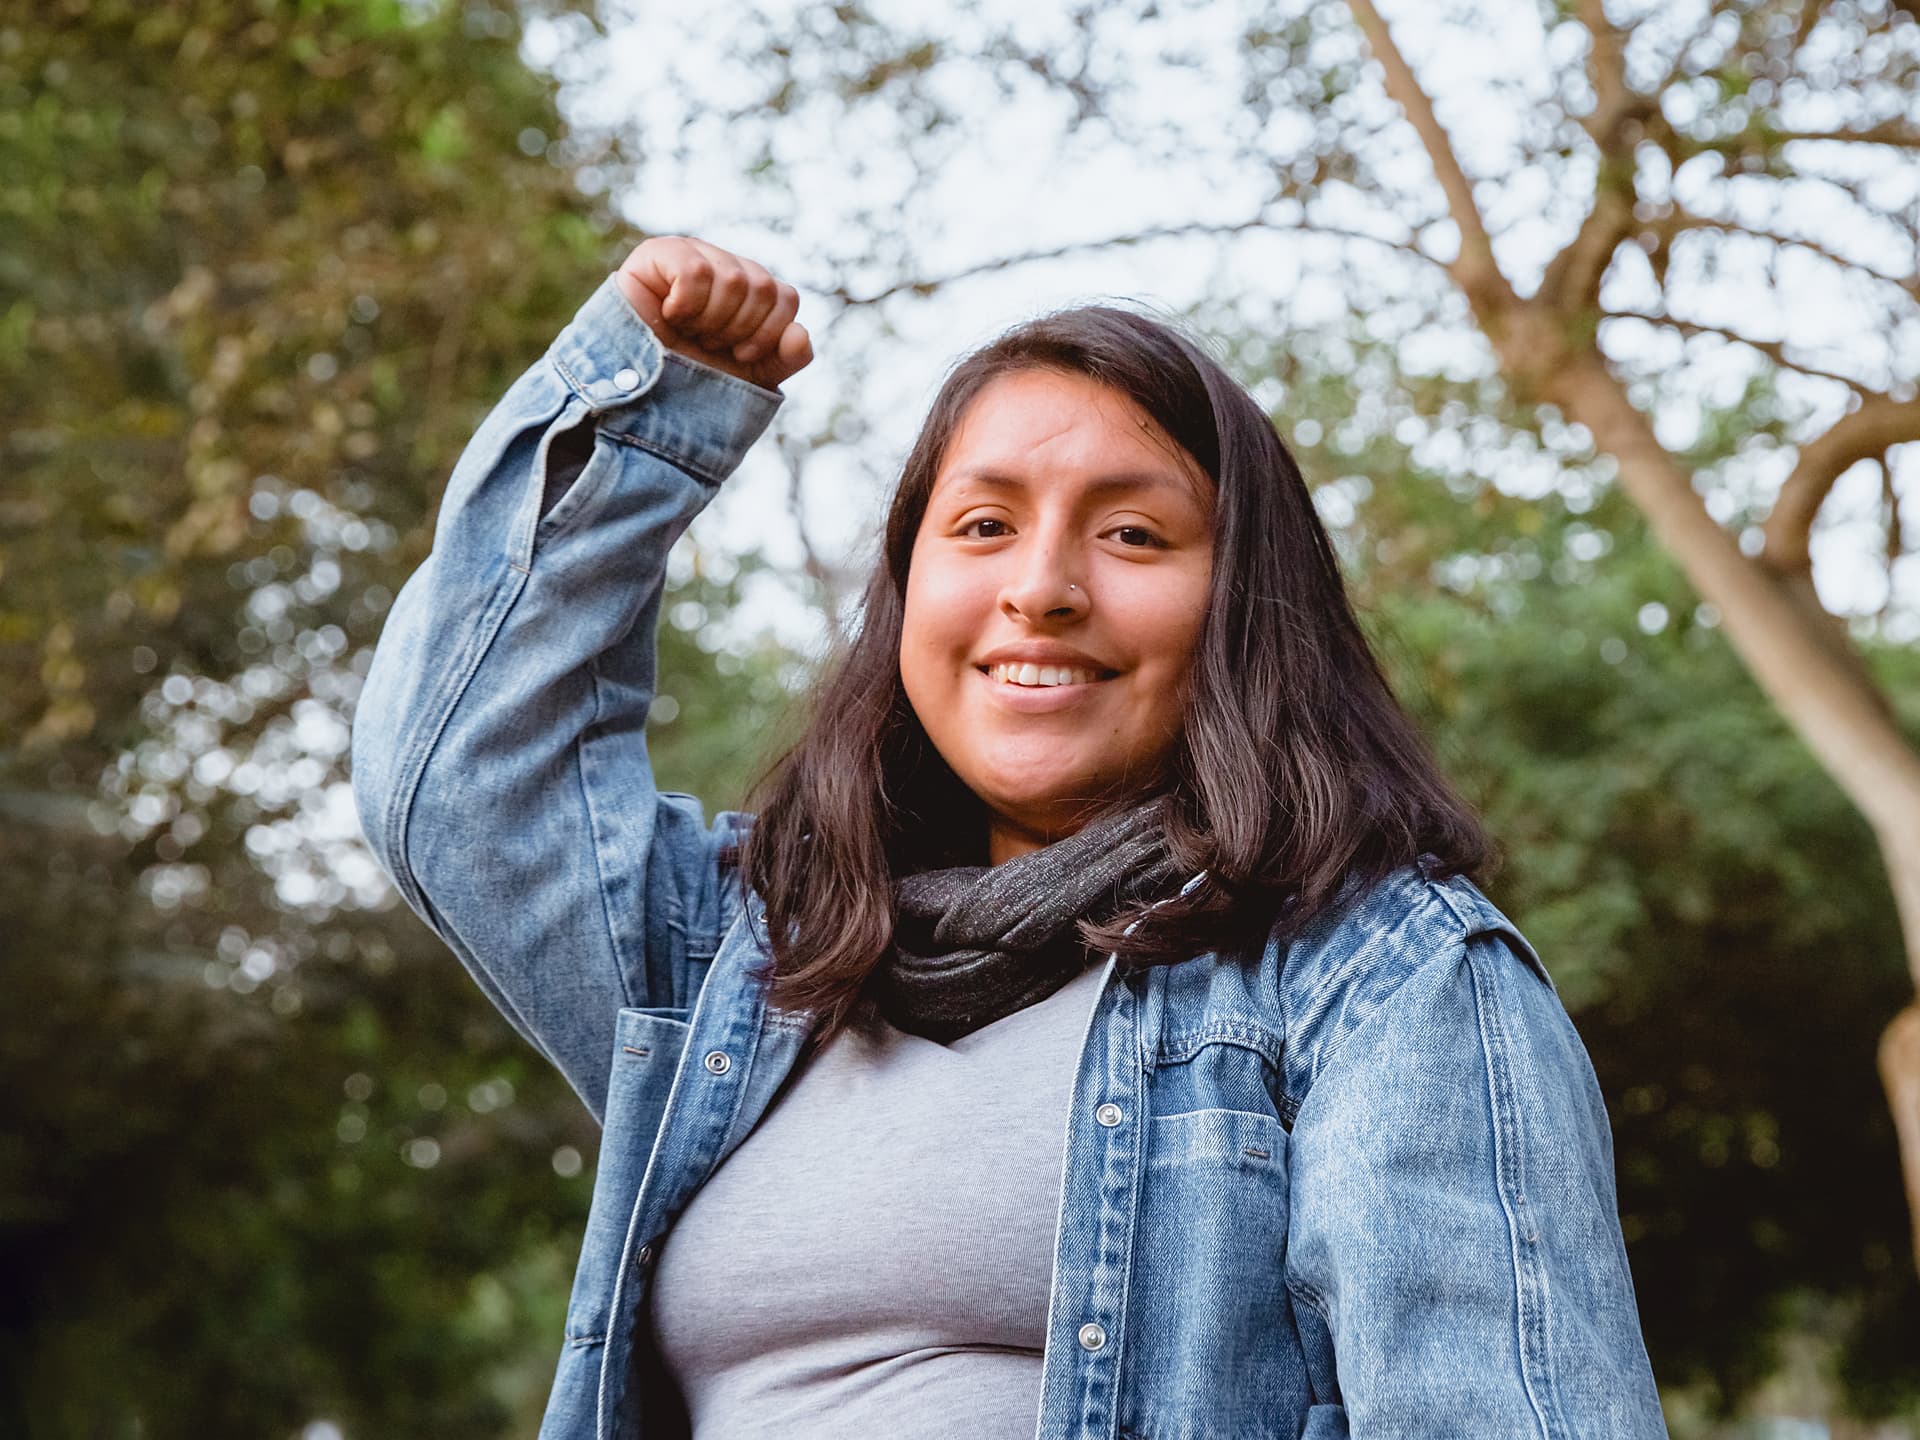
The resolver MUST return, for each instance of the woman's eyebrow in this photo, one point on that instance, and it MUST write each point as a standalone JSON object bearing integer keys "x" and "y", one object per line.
{"x": 1122, "y": 480}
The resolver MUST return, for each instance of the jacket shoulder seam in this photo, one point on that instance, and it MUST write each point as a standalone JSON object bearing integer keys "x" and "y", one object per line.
{"x": 1495, "y": 922}
{"x": 1291, "y": 1102}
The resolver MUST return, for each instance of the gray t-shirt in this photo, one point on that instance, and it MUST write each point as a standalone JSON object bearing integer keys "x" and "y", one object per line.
{"x": 875, "y": 1258}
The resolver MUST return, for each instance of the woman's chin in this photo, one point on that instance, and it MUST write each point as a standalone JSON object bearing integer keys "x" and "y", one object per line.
{"x": 1054, "y": 810}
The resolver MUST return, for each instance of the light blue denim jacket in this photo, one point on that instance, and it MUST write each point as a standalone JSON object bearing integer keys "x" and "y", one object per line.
{"x": 1362, "y": 1185}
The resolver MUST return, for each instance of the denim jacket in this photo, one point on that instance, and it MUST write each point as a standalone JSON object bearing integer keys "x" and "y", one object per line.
{"x": 1359, "y": 1185}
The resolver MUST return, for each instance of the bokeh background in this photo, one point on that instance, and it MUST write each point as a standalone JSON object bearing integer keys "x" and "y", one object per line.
{"x": 269, "y": 1166}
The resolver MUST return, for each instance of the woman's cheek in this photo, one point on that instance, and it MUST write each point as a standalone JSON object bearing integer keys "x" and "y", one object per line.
{"x": 943, "y": 587}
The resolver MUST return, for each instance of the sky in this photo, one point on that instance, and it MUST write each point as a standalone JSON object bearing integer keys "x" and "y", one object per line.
{"x": 1014, "y": 178}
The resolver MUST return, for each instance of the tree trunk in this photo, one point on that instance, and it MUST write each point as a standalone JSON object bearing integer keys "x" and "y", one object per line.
{"x": 1818, "y": 684}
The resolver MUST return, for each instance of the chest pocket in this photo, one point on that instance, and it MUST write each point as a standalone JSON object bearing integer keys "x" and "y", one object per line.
{"x": 1211, "y": 1346}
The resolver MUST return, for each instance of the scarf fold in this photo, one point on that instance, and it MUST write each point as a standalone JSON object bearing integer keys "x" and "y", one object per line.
{"x": 975, "y": 943}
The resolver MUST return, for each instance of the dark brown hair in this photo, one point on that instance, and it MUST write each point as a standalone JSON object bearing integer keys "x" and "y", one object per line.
{"x": 1296, "y": 771}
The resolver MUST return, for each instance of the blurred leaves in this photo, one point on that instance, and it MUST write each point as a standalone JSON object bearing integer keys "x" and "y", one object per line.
{"x": 265, "y": 1154}
{"x": 1715, "y": 917}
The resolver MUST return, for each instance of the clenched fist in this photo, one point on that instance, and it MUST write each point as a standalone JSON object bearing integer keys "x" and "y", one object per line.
{"x": 716, "y": 307}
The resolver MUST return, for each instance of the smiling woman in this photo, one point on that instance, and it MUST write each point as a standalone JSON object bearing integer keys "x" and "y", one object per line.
{"x": 1060, "y": 571}
{"x": 1090, "y": 493}
{"x": 889, "y": 1148}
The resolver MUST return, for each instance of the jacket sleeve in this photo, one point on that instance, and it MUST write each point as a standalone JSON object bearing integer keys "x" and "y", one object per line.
{"x": 499, "y": 743}
{"x": 1454, "y": 1248}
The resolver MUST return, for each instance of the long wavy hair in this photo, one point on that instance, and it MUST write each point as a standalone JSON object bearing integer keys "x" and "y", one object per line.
{"x": 1296, "y": 770}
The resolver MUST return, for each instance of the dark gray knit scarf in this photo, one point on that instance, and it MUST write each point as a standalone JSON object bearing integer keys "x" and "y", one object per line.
{"x": 974, "y": 943}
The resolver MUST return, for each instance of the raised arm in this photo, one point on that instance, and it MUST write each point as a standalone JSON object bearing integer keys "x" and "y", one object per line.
{"x": 499, "y": 746}
{"x": 1454, "y": 1252}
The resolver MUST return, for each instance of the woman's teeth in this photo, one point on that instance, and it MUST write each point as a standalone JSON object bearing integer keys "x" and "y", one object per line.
{"x": 1041, "y": 675}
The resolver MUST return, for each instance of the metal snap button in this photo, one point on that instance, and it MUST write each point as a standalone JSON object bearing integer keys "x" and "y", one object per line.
{"x": 1092, "y": 1336}
{"x": 717, "y": 1061}
{"x": 645, "y": 1257}
{"x": 1108, "y": 1114}
{"x": 627, "y": 379}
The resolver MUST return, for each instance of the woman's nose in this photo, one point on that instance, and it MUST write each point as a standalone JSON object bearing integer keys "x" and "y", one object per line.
{"x": 1044, "y": 586}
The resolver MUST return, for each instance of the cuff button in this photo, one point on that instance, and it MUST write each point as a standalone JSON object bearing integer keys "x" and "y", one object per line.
{"x": 627, "y": 379}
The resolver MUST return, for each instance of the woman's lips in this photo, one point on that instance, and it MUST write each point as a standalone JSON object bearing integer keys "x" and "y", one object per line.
{"x": 1037, "y": 699}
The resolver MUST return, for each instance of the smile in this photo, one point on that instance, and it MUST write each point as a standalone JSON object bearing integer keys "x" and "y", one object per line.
{"x": 1009, "y": 689}
{"x": 1039, "y": 675}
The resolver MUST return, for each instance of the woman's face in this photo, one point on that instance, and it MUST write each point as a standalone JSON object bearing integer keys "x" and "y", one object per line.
{"x": 1067, "y": 539}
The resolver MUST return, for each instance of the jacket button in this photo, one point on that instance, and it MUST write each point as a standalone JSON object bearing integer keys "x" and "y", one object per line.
{"x": 627, "y": 379}
{"x": 717, "y": 1061}
{"x": 1108, "y": 1114}
{"x": 1092, "y": 1336}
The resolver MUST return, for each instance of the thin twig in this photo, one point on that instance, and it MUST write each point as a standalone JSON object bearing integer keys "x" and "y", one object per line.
{"x": 926, "y": 285}
{"x": 1688, "y": 220}
{"x": 1772, "y": 349}
{"x": 793, "y": 453}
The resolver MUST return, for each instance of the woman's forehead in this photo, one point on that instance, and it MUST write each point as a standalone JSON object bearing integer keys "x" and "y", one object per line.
{"x": 1037, "y": 429}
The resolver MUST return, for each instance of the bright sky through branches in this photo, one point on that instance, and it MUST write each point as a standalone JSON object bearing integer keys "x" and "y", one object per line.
{"x": 868, "y": 195}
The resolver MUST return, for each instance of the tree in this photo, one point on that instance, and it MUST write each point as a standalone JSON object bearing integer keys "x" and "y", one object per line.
{"x": 1662, "y": 827}
{"x": 266, "y": 1155}
{"x": 1548, "y": 345}
{"x": 1670, "y": 178}
{"x": 1662, "y": 824}
{"x": 268, "y": 265}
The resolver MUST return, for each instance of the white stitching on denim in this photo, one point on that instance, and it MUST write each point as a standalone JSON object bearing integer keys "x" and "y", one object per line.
{"x": 616, "y": 948}
{"x": 1250, "y": 1034}
{"x": 1531, "y": 1305}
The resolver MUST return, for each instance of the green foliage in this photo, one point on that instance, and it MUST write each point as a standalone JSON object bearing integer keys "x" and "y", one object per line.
{"x": 1717, "y": 919}
{"x": 266, "y": 1155}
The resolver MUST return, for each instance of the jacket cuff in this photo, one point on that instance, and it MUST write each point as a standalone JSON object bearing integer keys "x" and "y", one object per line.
{"x": 700, "y": 419}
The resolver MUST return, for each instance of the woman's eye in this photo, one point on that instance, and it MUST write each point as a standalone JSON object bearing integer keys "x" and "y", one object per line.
{"x": 1134, "y": 537}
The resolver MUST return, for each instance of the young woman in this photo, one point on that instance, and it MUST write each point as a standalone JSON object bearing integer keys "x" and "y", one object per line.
{"x": 1097, "y": 1033}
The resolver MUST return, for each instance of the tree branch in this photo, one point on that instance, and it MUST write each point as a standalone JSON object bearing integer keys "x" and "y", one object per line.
{"x": 1810, "y": 13}
{"x": 1572, "y": 280}
{"x": 1895, "y": 133}
{"x": 926, "y": 286}
{"x": 793, "y": 452}
{"x": 1607, "y": 73}
{"x": 1894, "y": 548}
{"x": 1573, "y": 277}
{"x": 1864, "y": 434}
{"x": 1475, "y": 272}
{"x": 1707, "y": 26}
{"x": 1681, "y": 220}
{"x": 1772, "y": 349}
